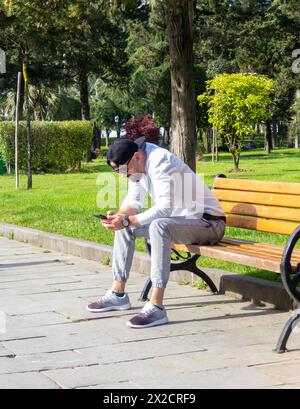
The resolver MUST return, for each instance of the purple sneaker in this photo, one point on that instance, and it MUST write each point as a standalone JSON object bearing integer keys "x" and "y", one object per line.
{"x": 149, "y": 316}
{"x": 110, "y": 302}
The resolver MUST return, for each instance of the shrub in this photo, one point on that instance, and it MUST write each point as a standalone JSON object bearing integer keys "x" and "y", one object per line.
{"x": 56, "y": 146}
{"x": 236, "y": 103}
{"x": 142, "y": 126}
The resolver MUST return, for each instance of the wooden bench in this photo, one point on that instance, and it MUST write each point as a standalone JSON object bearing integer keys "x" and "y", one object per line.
{"x": 272, "y": 207}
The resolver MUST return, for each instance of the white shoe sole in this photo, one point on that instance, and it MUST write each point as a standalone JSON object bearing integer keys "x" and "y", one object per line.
{"x": 153, "y": 324}
{"x": 112, "y": 308}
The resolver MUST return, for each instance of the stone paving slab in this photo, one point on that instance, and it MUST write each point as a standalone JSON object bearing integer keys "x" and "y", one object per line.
{"x": 52, "y": 342}
{"x": 27, "y": 381}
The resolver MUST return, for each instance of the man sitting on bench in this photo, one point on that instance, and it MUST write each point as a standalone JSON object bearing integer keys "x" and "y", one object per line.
{"x": 185, "y": 211}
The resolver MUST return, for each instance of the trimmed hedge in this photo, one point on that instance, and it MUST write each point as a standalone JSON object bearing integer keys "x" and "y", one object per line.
{"x": 56, "y": 146}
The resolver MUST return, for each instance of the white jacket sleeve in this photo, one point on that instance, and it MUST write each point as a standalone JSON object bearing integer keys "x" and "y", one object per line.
{"x": 161, "y": 179}
{"x": 135, "y": 196}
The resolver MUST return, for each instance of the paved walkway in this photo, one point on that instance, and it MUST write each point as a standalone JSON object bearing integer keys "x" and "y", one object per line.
{"x": 51, "y": 341}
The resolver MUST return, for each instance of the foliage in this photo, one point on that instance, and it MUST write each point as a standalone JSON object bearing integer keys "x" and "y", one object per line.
{"x": 62, "y": 42}
{"x": 142, "y": 126}
{"x": 42, "y": 101}
{"x": 123, "y": 43}
{"x": 150, "y": 82}
{"x": 57, "y": 146}
{"x": 253, "y": 36}
{"x": 68, "y": 108}
{"x": 236, "y": 103}
{"x": 108, "y": 115}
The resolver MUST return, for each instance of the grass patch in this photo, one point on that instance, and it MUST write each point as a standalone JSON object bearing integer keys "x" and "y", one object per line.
{"x": 10, "y": 235}
{"x": 200, "y": 284}
{"x": 105, "y": 261}
{"x": 65, "y": 203}
{"x": 184, "y": 282}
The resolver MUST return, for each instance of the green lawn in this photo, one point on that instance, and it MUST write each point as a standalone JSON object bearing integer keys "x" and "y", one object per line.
{"x": 65, "y": 203}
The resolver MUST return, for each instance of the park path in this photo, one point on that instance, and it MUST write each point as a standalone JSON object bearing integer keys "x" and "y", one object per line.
{"x": 51, "y": 341}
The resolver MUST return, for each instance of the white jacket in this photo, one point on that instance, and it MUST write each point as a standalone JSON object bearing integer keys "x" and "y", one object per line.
{"x": 175, "y": 189}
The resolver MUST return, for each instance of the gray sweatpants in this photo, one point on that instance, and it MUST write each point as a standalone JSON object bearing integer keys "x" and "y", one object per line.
{"x": 162, "y": 232}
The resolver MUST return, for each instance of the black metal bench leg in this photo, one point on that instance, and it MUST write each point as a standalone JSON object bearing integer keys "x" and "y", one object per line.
{"x": 287, "y": 332}
{"x": 190, "y": 265}
{"x": 146, "y": 290}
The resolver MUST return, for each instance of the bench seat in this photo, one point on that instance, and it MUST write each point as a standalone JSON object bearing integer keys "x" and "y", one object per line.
{"x": 262, "y": 256}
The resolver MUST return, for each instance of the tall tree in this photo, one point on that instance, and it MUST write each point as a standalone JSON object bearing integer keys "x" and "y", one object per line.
{"x": 256, "y": 36}
{"x": 236, "y": 103}
{"x": 179, "y": 15}
{"x": 150, "y": 80}
{"x": 179, "y": 22}
{"x": 26, "y": 27}
{"x": 28, "y": 37}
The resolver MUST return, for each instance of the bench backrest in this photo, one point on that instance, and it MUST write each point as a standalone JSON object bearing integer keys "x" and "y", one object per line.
{"x": 272, "y": 207}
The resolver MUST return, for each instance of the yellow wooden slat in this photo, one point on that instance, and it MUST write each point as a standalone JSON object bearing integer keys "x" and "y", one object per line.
{"x": 221, "y": 253}
{"x": 267, "y": 199}
{"x": 254, "y": 223}
{"x": 254, "y": 251}
{"x": 264, "y": 252}
{"x": 268, "y": 248}
{"x": 257, "y": 186}
{"x": 268, "y": 212}
{"x": 248, "y": 253}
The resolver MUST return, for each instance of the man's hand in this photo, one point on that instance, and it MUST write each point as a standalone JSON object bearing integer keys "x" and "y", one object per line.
{"x": 114, "y": 222}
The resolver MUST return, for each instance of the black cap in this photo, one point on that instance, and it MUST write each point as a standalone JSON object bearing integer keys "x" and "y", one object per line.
{"x": 122, "y": 150}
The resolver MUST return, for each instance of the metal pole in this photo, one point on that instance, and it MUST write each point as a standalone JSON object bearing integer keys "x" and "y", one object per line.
{"x": 28, "y": 128}
{"x": 17, "y": 130}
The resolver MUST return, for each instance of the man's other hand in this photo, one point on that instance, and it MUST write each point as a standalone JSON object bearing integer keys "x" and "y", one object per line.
{"x": 114, "y": 222}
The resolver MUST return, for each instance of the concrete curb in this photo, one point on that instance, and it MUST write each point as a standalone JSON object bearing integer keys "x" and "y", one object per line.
{"x": 247, "y": 288}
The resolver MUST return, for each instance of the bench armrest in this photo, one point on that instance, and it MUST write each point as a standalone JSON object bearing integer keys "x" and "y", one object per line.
{"x": 290, "y": 277}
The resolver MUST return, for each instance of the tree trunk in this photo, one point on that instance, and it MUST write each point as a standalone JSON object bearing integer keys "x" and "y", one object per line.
{"x": 84, "y": 94}
{"x": 166, "y": 136}
{"x": 274, "y": 133}
{"x": 85, "y": 105}
{"x": 119, "y": 126}
{"x": 183, "y": 122}
{"x": 208, "y": 141}
{"x": 290, "y": 140}
{"x": 107, "y": 133}
{"x": 274, "y": 142}
{"x": 22, "y": 98}
{"x": 268, "y": 136}
{"x": 97, "y": 137}
{"x": 236, "y": 161}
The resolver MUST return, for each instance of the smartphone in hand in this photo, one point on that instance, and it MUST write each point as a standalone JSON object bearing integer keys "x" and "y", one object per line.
{"x": 101, "y": 217}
